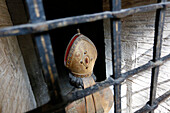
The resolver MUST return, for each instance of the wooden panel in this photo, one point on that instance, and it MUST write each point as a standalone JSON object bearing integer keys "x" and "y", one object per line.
{"x": 15, "y": 90}
{"x": 27, "y": 47}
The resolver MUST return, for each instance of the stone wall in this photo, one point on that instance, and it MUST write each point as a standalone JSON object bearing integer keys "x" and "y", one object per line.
{"x": 15, "y": 90}
{"x": 137, "y": 42}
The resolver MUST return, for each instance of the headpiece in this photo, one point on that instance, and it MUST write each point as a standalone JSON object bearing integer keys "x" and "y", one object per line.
{"x": 80, "y": 56}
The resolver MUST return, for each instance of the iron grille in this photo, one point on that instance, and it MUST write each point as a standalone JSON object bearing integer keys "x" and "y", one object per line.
{"x": 38, "y": 25}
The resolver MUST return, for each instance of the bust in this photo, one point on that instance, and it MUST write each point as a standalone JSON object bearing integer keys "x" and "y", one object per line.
{"x": 80, "y": 57}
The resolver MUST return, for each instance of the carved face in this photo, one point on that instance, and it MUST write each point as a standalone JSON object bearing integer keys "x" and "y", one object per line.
{"x": 80, "y": 56}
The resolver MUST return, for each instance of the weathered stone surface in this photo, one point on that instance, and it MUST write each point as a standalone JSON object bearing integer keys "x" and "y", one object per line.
{"x": 137, "y": 42}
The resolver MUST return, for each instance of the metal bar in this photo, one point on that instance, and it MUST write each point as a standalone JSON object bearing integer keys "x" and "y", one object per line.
{"x": 156, "y": 102}
{"x": 57, "y": 23}
{"x": 110, "y": 81}
{"x": 116, "y": 54}
{"x": 36, "y": 13}
{"x": 144, "y": 109}
{"x": 159, "y": 25}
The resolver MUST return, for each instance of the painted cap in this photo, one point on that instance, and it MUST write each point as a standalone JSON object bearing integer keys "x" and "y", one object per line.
{"x": 80, "y": 56}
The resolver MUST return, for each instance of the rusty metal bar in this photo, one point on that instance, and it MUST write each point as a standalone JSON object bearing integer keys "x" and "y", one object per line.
{"x": 57, "y": 23}
{"x": 43, "y": 43}
{"x": 116, "y": 54}
{"x": 39, "y": 24}
{"x": 144, "y": 109}
{"x": 110, "y": 81}
{"x": 159, "y": 25}
{"x": 156, "y": 102}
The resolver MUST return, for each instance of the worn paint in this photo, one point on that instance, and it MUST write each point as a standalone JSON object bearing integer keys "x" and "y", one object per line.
{"x": 47, "y": 59}
{"x": 52, "y": 24}
{"x": 116, "y": 53}
{"x": 45, "y": 50}
{"x": 159, "y": 24}
{"x": 99, "y": 86}
{"x": 36, "y": 8}
{"x": 116, "y": 44}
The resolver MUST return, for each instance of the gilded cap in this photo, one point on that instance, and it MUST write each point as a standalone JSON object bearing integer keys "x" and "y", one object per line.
{"x": 80, "y": 56}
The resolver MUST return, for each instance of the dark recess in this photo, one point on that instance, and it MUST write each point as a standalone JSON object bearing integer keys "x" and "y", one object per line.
{"x": 60, "y": 37}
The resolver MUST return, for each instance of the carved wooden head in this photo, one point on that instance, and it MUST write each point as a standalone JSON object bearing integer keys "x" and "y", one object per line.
{"x": 80, "y": 56}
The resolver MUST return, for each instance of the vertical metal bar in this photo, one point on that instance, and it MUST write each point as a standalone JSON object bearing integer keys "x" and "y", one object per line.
{"x": 159, "y": 24}
{"x": 116, "y": 57}
{"x": 43, "y": 43}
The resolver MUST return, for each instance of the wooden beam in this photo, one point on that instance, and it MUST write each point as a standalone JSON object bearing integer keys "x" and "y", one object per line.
{"x": 16, "y": 94}
{"x": 27, "y": 47}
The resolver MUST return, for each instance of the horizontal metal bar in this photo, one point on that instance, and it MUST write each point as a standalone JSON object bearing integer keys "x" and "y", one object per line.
{"x": 146, "y": 8}
{"x": 146, "y": 66}
{"x": 57, "y": 23}
{"x": 57, "y": 108}
{"x": 110, "y": 81}
{"x": 147, "y": 108}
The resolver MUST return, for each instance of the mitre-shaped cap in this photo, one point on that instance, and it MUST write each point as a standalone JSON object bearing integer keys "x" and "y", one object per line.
{"x": 80, "y": 56}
